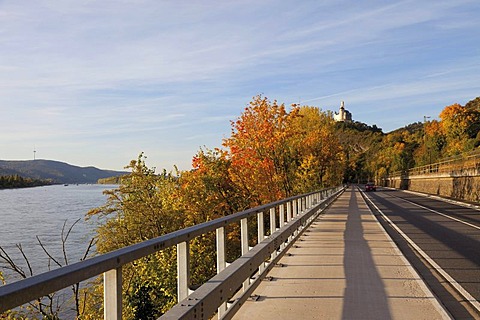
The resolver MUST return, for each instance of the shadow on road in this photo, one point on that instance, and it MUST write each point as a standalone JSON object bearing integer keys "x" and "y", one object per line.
{"x": 365, "y": 295}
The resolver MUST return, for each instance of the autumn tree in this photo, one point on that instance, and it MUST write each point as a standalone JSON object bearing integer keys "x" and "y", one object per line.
{"x": 431, "y": 145}
{"x": 261, "y": 159}
{"x": 394, "y": 152}
{"x": 473, "y": 105}
{"x": 209, "y": 188}
{"x": 143, "y": 207}
{"x": 460, "y": 126}
{"x": 319, "y": 153}
{"x": 147, "y": 205}
{"x": 208, "y": 192}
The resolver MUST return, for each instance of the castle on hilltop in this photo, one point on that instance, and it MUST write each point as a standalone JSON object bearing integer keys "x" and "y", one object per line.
{"x": 342, "y": 114}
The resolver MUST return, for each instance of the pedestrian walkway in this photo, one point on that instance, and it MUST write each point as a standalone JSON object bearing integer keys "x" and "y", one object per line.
{"x": 344, "y": 266}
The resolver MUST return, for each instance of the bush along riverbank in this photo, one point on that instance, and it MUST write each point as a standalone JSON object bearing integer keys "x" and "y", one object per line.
{"x": 16, "y": 181}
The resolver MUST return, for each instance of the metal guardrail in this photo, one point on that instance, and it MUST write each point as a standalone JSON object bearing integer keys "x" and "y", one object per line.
{"x": 459, "y": 166}
{"x": 237, "y": 281}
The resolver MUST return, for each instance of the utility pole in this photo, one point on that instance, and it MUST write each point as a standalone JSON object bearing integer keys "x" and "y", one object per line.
{"x": 34, "y": 152}
{"x": 425, "y": 139}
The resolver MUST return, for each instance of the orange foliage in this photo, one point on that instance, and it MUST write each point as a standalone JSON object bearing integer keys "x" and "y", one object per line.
{"x": 259, "y": 151}
{"x": 459, "y": 125}
{"x": 433, "y": 128}
{"x": 456, "y": 119}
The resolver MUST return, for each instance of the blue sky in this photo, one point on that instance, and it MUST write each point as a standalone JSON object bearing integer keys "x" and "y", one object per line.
{"x": 98, "y": 82}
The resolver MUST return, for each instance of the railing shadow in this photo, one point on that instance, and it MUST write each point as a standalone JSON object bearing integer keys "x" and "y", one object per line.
{"x": 365, "y": 296}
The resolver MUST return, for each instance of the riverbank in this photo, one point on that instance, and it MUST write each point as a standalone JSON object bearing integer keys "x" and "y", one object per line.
{"x": 17, "y": 182}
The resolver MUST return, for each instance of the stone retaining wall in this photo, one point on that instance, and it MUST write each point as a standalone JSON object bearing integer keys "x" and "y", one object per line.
{"x": 462, "y": 188}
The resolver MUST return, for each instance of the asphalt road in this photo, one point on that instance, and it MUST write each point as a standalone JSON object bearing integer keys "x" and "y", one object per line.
{"x": 448, "y": 233}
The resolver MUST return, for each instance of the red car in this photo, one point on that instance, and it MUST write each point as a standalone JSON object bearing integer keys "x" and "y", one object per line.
{"x": 370, "y": 187}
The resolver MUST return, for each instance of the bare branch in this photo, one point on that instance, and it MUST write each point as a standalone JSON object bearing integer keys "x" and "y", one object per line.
{"x": 92, "y": 243}
{"x": 19, "y": 246}
{"x": 48, "y": 253}
{"x": 12, "y": 265}
{"x": 64, "y": 238}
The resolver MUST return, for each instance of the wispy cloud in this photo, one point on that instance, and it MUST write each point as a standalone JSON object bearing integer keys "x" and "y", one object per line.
{"x": 136, "y": 74}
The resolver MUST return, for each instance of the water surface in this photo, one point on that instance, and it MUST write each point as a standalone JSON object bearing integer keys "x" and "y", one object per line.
{"x": 42, "y": 211}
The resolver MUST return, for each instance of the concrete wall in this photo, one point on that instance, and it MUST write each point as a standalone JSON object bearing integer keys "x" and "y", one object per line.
{"x": 457, "y": 187}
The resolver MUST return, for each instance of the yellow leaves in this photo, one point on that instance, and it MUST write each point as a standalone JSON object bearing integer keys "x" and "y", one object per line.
{"x": 460, "y": 126}
{"x": 382, "y": 172}
{"x": 457, "y": 119}
{"x": 451, "y": 112}
{"x": 317, "y": 148}
{"x": 398, "y": 147}
{"x": 433, "y": 128}
{"x": 308, "y": 168}
{"x": 259, "y": 150}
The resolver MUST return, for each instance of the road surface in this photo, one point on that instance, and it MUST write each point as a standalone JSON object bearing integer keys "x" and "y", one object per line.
{"x": 446, "y": 233}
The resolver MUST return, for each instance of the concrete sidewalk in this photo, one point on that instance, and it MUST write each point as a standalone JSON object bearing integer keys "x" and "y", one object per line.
{"x": 345, "y": 266}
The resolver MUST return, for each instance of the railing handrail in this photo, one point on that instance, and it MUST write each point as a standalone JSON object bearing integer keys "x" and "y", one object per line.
{"x": 440, "y": 166}
{"x": 29, "y": 289}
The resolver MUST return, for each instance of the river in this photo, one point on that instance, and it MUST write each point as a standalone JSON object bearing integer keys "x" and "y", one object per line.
{"x": 42, "y": 211}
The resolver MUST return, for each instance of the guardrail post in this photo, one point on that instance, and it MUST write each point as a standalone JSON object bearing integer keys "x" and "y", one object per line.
{"x": 273, "y": 228}
{"x": 112, "y": 294}
{"x": 282, "y": 215}
{"x": 273, "y": 222}
{"x": 295, "y": 213}
{"x": 244, "y": 235}
{"x": 260, "y": 227}
{"x": 221, "y": 257}
{"x": 183, "y": 270}
{"x": 289, "y": 216}
{"x": 221, "y": 262}
{"x": 289, "y": 211}
{"x": 244, "y": 244}
{"x": 260, "y": 236}
{"x": 282, "y": 222}
{"x": 310, "y": 205}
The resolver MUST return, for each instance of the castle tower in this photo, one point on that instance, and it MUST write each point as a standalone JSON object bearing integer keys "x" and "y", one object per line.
{"x": 343, "y": 114}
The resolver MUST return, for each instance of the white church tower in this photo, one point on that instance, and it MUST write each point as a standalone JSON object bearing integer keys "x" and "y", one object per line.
{"x": 343, "y": 115}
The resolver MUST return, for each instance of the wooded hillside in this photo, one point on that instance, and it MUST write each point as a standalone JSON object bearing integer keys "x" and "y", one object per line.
{"x": 54, "y": 171}
{"x": 457, "y": 132}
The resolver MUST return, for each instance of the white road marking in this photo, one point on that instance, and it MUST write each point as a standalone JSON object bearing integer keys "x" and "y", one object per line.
{"x": 445, "y": 314}
{"x": 437, "y": 212}
{"x": 468, "y": 297}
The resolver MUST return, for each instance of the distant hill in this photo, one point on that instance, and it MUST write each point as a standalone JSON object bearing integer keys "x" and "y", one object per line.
{"x": 56, "y": 171}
